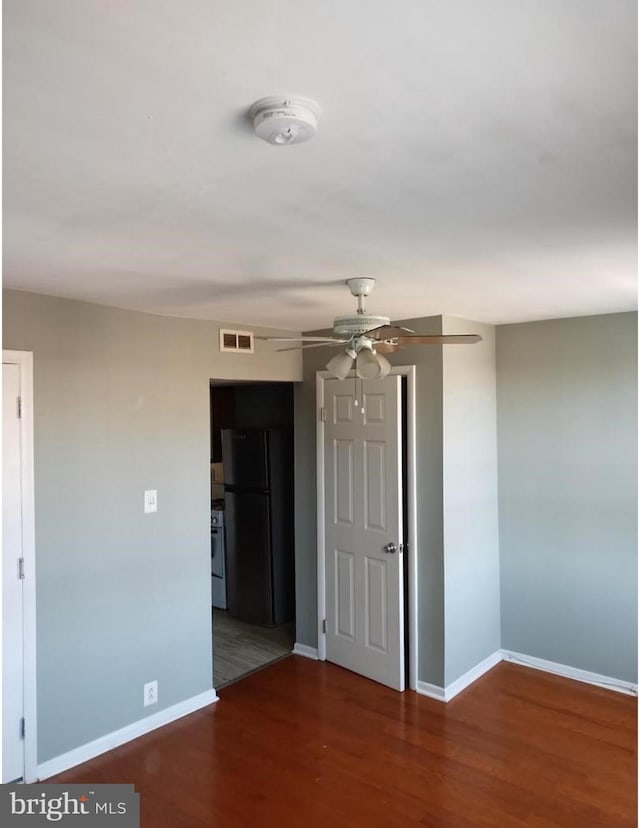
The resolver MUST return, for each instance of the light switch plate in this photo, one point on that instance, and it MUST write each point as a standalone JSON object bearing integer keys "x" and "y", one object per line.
{"x": 151, "y": 500}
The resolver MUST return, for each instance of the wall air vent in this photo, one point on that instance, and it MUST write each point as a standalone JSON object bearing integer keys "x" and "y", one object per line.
{"x": 240, "y": 342}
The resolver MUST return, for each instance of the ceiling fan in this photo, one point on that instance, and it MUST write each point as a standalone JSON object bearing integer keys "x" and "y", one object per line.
{"x": 367, "y": 337}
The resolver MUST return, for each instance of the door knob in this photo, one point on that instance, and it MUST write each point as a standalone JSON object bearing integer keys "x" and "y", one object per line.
{"x": 390, "y": 548}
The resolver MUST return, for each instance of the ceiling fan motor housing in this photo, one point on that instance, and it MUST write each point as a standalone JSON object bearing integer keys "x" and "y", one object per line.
{"x": 359, "y": 324}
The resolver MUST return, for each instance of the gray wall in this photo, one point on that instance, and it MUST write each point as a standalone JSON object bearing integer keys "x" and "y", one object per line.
{"x": 567, "y": 419}
{"x": 428, "y": 362}
{"x": 470, "y": 500}
{"x": 121, "y": 405}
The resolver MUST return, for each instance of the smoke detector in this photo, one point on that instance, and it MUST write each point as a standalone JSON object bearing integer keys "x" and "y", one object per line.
{"x": 285, "y": 120}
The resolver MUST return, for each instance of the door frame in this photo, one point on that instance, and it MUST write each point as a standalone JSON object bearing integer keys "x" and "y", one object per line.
{"x": 410, "y": 495}
{"x": 24, "y": 360}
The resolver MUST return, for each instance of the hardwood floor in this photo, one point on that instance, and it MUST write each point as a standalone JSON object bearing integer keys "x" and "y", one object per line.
{"x": 305, "y": 743}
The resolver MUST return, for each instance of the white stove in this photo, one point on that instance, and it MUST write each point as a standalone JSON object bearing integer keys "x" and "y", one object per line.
{"x": 218, "y": 567}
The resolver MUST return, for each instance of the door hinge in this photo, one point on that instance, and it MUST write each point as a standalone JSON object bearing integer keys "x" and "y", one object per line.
{"x": 22, "y": 727}
{"x": 324, "y": 626}
{"x": 323, "y": 415}
{"x": 21, "y": 568}
{"x": 19, "y": 407}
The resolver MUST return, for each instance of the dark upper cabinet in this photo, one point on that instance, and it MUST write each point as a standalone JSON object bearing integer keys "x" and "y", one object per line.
{"x": 223, "y": 415}
{"x": 249, "y": 405}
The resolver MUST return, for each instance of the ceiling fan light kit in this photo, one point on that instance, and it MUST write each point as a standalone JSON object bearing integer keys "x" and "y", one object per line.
{"x": 341, "y": 364}
{"x": 367, "y": 365}
{"x": 363, "y": 333}
{"x": 282, "y": 120}
{"x": 385, "y": 366}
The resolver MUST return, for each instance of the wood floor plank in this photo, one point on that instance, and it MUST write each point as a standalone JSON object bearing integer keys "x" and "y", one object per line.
{"x": 307, "y": 743}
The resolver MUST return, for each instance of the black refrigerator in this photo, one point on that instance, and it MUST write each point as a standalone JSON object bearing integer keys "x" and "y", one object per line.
{"x": 258, "y": 507}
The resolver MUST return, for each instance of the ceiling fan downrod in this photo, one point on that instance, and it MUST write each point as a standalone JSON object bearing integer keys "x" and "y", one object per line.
{"x": 361, "y": 287}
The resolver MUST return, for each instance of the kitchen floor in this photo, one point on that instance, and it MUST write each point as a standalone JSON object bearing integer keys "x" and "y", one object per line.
{"x": 240, "y": 649}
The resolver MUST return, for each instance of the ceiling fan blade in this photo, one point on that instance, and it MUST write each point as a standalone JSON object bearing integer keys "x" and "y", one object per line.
{"x": 329, "y": 343}
{"x": 437, "y": 339}
{"x": 299, "y": 339}
{"x": 388, "y": 331}
{"x": 386, "y": 347}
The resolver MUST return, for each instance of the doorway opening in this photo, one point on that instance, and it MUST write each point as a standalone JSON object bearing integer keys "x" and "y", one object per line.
{"x": 252, "y": 517}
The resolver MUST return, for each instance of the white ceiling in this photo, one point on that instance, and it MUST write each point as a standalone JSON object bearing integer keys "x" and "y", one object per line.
{"x": 478, "y": 157}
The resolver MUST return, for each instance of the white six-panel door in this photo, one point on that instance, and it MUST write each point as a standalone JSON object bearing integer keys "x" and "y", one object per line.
{"x": 363, "y": 527}
{"x": 12, "y": 598}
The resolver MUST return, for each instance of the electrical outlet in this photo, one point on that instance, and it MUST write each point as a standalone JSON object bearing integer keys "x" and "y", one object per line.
{"x": 151, "y": 500}
{"x": 150, "y": 693}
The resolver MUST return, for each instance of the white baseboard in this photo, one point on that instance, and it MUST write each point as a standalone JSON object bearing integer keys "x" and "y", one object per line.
{"x": 119, "y": 737}
{"x": 566, "y": 671}
{"x": 472, "y": 675}
{"x": 445, "y": 694}
{"x": 433, "y": 691}
{"x": 305, "y": 650}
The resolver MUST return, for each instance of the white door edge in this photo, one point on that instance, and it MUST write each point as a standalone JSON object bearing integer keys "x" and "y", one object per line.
{"x": 408, "y": 371}
{"x": 24, "y": 359}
